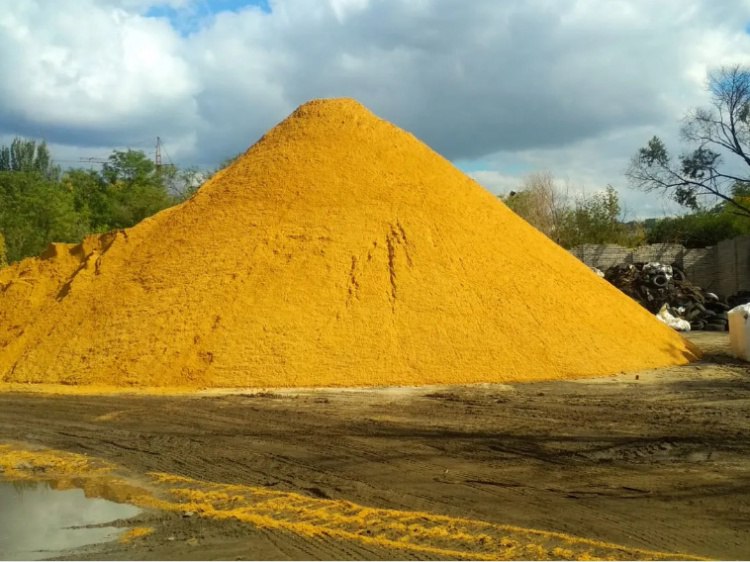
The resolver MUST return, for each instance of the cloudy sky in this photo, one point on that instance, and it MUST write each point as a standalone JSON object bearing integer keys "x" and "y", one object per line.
{"x": 502, "y": 88}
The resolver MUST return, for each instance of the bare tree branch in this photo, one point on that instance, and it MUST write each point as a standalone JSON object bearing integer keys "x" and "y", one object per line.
{"x": 723, "y": 130}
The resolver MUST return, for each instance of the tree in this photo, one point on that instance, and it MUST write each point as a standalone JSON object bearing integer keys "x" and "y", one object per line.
{"x": 697, "y": 230}
{"x": 716, "y": 133}
{"x": 135, "y": 189}
{"x": 39, "y": 204}
{"x": 35, "y": 211}
{"x": 27, "y": 156}
{"x": 540, "y": 203}
{"x": 704, "y": 227}
{"x": 182, "y": 183}
{"x": 594, "y": 219}
{"x": 3, "y": 251}
{"x": 90, "y": 198}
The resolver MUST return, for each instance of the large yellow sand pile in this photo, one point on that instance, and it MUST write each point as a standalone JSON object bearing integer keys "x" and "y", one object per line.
{"x": 339, "y": 250}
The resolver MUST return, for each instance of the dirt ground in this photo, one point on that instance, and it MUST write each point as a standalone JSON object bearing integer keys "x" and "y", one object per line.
{"x": 657, "y": 460}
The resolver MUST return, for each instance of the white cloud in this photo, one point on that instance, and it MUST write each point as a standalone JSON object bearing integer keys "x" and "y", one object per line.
{"x": 566, "y": 86}
{"x": 343, "y": 8}
{"x": 496, "y": 182}
{"x": 91, "y": 70}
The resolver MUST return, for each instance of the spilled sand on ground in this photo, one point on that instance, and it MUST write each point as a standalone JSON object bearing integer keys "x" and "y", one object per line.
{"x": 411, "y": 532}
{"x": 339, "y": 250}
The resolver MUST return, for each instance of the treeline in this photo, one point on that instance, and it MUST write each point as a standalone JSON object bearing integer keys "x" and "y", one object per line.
{"x": 573, "y": 220}
{"x": 703, "y": 227}
{"x": 599, "y": 218}
{"x": 41, "y": 203}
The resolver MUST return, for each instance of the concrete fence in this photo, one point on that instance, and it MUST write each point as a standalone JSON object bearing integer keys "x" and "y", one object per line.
{"x": 723, "y": 269}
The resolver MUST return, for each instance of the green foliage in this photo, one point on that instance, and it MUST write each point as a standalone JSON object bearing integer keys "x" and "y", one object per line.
{"x": 91, "y": 200}
{"x": 594, "y": 219}
{"x": 695, "y": 230}
{"x": 133, "y": 187}
{"x": 27, "y": 156}
{"x": 717, "y": 132}
{"x": 655, "y": 153}
{"x": 705, "y": 227}
{"x": 39, "y": 204}
{"x": 3, "y": 251}
{"x": 34, "y": 211}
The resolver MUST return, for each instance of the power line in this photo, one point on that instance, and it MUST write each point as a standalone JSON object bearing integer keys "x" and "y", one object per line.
{"x": 160, "y": 151}
{"x": 169, "y": 158}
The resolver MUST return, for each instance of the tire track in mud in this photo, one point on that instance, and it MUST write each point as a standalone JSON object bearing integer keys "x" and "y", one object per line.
{"x": 544, "y": 443}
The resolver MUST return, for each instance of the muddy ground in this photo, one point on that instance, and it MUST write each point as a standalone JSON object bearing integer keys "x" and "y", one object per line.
{"x": 658, "y": 460}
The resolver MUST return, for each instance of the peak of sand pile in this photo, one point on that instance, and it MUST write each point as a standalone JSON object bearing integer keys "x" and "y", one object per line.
{"x": 338, "y": 250}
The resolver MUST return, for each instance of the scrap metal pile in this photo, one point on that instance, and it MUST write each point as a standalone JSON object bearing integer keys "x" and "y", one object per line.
{"x": 655, "y": 285}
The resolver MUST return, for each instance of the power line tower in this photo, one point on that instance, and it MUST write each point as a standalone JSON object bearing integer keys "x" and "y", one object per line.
{"x": 157, "y": 155}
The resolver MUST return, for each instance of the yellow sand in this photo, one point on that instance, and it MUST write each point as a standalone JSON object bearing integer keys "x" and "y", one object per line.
{"x": 135, "y": 533}
{"x": 339, "y": 250}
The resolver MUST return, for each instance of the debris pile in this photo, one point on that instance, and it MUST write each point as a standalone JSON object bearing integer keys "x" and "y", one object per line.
{"x": 339, "y": 250}
{"x": 662, "y": 288}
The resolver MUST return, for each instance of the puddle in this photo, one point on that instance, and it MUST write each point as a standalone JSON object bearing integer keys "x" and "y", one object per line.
{"x": 38, "y": 522}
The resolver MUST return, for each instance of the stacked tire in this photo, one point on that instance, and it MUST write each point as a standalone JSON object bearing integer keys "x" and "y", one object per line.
{"x": 653, "y": 285}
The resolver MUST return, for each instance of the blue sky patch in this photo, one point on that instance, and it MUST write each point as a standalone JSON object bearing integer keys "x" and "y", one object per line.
{"x": 481, "y": 165}
{"x": 472, "y": 165}
{"x": 191, "y": 18}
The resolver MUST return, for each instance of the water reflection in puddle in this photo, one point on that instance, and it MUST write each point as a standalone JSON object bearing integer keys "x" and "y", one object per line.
{"x": 38, "y": 522}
